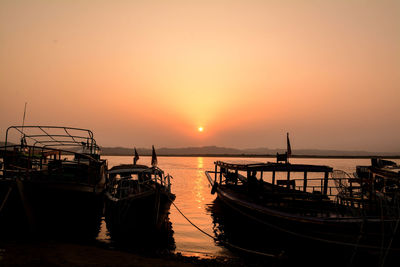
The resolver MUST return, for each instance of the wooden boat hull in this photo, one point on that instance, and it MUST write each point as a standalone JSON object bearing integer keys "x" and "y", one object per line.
{"x": 370, "y": 234}
{"x": 141, "y": 214}
{"x": 51, "y": 208}
{"x": 52, "y": 183}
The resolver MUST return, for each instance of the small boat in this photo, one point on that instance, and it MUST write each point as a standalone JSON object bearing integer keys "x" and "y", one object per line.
{"x": 322, "y": 206}
{"x": 138, "y": 199}
{"x": 52, "y": 183}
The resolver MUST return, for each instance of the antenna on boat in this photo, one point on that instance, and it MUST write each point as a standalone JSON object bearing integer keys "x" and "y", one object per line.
{"x": 23, "y": 119}
{"x": 23, "y": 140}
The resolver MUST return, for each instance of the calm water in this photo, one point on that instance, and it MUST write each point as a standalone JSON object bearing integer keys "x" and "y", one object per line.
{"x": 193, "y": 196}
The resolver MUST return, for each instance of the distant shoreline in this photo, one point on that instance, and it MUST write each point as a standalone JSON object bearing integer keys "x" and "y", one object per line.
{"x": 216, "y": 151}
{"x": 264, "y": 156}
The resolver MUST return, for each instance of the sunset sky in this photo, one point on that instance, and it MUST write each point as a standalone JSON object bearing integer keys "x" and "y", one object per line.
{"x": 139, "y": 73}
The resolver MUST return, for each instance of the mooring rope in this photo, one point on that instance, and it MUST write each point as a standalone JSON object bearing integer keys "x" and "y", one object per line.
{"x": 225, "y": 242}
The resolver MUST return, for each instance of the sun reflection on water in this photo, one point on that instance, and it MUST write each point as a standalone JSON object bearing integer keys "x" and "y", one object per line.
{"x": 199, "y": 184}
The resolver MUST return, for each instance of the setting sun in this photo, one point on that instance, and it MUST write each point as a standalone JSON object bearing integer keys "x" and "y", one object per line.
{"x": 201, "y": 129}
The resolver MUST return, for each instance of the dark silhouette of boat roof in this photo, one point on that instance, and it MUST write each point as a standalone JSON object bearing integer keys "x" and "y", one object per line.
{"x": 134, "y": 168}
{"x": 270, "y": 166}
{"x": 129, "y": 166}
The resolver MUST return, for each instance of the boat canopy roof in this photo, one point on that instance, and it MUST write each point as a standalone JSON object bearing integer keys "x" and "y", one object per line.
{"x": 270, "y": 167}
{"x": 55, "y": 136}
{"x": 132, "y": 169}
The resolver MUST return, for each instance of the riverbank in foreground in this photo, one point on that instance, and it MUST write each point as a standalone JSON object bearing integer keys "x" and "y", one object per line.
{"x": 40, "y": 253}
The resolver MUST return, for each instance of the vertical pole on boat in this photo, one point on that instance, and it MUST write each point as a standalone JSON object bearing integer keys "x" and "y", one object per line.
{"x": 305, "y": 182}
{"x": 371, "y": 190}
{"x": 23, "y": 121}
{"x": 288, "y": 178}
{"x": 289, "y": 149}
{"x": 220, "y": 175}
{"x": 362, "y": 193}
{"x": 326, "y": 183}
{"x": 215, "y": 176}
{"x": 273, "y": 177}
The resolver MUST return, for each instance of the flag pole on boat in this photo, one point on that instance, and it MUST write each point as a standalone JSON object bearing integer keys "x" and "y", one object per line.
{"x": 153, "y": 158}
{"x": 289, "y": 149}
{"x": 136, "y": 157}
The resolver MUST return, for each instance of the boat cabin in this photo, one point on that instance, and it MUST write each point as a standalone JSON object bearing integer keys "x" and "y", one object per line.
{"x": 278, "y": 174}
{"x": 127, "y": 179}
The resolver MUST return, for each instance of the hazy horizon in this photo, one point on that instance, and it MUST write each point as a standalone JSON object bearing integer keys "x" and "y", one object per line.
{"x": 244, "y": 148}
{"x": 139, "y": 73}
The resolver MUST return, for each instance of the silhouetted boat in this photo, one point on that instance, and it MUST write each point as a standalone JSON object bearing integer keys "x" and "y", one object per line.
{"x": 52, "y": 182}
{"x": 138, "y": 199}
{"x": 385, "y": 174}
{"x": 333, "y": 209}
{"x": 381, "y": 181}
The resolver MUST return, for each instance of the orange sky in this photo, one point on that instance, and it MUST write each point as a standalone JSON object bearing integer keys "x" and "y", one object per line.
{"x": 151, "y": 72}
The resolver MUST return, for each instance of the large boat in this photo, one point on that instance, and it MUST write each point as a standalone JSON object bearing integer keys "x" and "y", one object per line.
{"x": 138, "y": 199}
{"x": 322, "y": 206}
{"x": 52, "y": 182}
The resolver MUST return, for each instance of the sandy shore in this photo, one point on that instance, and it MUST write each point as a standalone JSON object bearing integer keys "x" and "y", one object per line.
{"x": 70, "y": 254}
